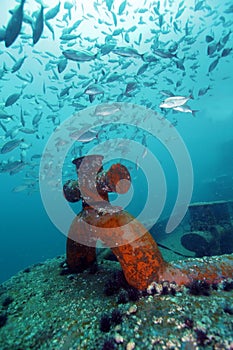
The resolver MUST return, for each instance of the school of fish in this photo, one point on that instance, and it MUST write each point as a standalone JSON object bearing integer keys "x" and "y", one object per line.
{"x": 132, "y": 54}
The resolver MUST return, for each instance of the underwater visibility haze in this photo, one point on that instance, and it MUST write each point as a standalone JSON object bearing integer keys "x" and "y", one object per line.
{"x": 68, "y": 56}
{"x": 147, "y": 84}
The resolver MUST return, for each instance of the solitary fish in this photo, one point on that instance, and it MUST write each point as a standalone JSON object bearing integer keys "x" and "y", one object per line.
{"x": 38, "y": 26}
{"x": 50, "y": 27}
{"x": 14, "y": 25}
{"x": 226, "y": 52}
{"x": 122, "y": 8}
{"x": 19, "y": 188}
{"x": 94, "y": 89}
{"x": 52, "y": 12}
{"x": 164, "y": 54}
{"x": 62, "y": 65}
{"x": 36, "y": 119}
{"x": 185, "y": 109}
{"x": 10, "y": 145}
{"x": 106, "y": 109}
{"x": 16, "y": 167}
{"x": 69, "y": 76}
{"x": 18, "y": 64}
{"x": 12, "y": 167}
{"x": 87, "y": 136}
{"x": 65, "y": 91}
{"x": 27, "y": 130}
{"x": 203, "y": 91}
{"x": 126, "y": 52}
{"x": 109, "y": 4}
{"x": 107, "y": 48}
{"x": 113, "y": 77}
{"x": 213, "y": 65}
{"x": 175, "y": 101}
{"x": 143, "y": 68}
{"x": 226, "y": 38}
{"x": 12, "y": 99}
{"x": 130, "y": 87}
{"x": 67, "y": 37}
{"x": 211, "y": 48}
{"x": 209, "y": 38}
{"x": 79, "y": 55}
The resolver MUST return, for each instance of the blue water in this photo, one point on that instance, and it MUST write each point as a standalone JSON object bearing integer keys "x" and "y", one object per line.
{"x": 27, "y": 234}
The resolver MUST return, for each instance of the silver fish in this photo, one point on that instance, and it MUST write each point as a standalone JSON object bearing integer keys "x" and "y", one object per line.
{"x": 226, "y": 52}
{"x": 127, "y": 38}
{"x": 114, "y": 17}
{"x": 69, "y": 76}
{"x": 211, "y": 48}
{"x": 117, "y": 32}
{"x": 12, "y": 99}
{"x": 38, "y": 26}
{"x": 130, "y": 87}
{"x": 122, "y": 8}
{"x": 226, "y": 38}
{"x": 104, "y": 110}
{"x": 87, "y": 136}
{"x": 14, "y": 25}
{"x": 65, "y": 91}
{"x": 142, "y": 69}
{"x": 10, "y": 145}
{"x": 27, "y": 19}
{"x": 126, "y": 52}
{"x": 12, "y": 166}
{"x": 149, "y": 58}
{"x": 179, "y": 13}
{"x": 180, "y": 65}
{"x": 18, "y": 166}
{"x": 213, "y": 65}
{"x": 79, "y": 55}
{"x": 167, "y": 93}
{"x": 74, "y": 26}
{"x": 36, "y": 119}
{"x": 19, "y": 188}
{"x": 52, "y": 12}
{"x": 113, "y": 77}
{"x": 94, "y": 89}
{"x": 18, "y": 64}
{"x": 68, "y": 37}
{"x": 109, "y": 4}
{"x": 174, "y": 101}
{"x": 50, "y": 27}
{"x": 27, "y": 130}
{"x": 164, "y": 54}
{"x": 185, "y": 109}
{"x": 203, "y": 91}
{"x": 36, "y": 156}
{"x": 209, "y": 38}
{"x": 107, "y": 48}
{"x": 199, "y": 5}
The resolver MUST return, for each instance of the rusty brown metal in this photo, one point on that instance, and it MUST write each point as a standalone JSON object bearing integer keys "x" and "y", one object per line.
{"x": 134, "y": 247}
